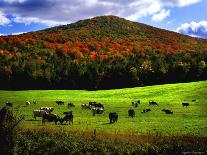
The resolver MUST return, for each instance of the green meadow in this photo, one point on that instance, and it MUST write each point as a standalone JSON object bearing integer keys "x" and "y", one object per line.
{"x": 185, "y": 121}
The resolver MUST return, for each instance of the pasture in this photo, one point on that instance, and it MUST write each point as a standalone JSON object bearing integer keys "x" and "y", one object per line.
{"x": 185, "y": 121}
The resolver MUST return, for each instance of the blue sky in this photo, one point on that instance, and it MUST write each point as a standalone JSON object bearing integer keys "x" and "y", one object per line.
{"x": 183, "y": 16}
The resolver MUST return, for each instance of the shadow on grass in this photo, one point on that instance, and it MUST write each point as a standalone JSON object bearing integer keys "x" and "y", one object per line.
{"x": 33, "y": 120}
{"x": 106, "y": 123}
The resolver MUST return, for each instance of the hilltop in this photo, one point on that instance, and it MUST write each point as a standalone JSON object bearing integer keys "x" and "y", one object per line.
{"x": 100, "y": 53}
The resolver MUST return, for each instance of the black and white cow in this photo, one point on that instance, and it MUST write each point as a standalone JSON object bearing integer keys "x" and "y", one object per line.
{"x": 146, "y": 110}
{"x": 38, "y": 113}
{"x": 47, "y": 109}
{"x": 28, "y": 103}
{"x": 97, "y": 111}
{"x": 86, "y": 106}
{"x": 9, "y": 104}
{"x": 50, "y": 118}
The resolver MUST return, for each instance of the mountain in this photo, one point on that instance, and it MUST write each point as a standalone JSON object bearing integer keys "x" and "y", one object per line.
{"x": 100, "y": 53}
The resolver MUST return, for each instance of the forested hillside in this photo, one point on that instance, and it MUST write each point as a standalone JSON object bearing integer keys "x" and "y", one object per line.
{"x": 100, "y": 53}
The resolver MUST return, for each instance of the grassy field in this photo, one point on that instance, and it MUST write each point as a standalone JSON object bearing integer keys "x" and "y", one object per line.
{"x": 185, "y": 121}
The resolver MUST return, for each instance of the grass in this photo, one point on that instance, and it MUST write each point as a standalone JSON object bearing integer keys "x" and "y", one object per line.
{"x": 185, "y": 121}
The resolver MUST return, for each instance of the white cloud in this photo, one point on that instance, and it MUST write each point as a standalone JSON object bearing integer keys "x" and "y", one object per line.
{"x": 3, "y": 19}
{"x": 160, "y": 16}
{"x": 2, "y": 34}
{"x": 17, "y": 33}
{"x": 14, "y": 1}
{"x": 178, "y": 3}
{"x": 187, "y": 2}
{"x": 171, "y": 21}
{"x": 56, "y": 12}
{"x": 29, "y": 20}
{"x": 195, "y": 29}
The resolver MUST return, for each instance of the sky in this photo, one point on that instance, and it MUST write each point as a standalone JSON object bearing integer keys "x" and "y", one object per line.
{"x": 184, "y": 16}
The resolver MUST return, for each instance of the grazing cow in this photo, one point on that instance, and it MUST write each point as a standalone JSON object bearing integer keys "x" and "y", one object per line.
{"x": 193, "y": 100}
{"x": 96, "y": 105}
{"x": 153, "y": 103}
{"x": 9, "y": 104}
{"x": 60, "y": 102}
{"x": 97, "y": 111}
{"x": 28, "y": 103}
{"x": 92, "y": 103}
{"x": 99, "y": 105}
{"x": 185, "y": 104}
{"x": 70, "y": 105}
{"x": 38, "y": 113}
{"x": 131, "y": 113}
{"x": 47, "y": 109}
{"x": 68, "y": 117}
{"x": 146, "y": 110}
{"x": 135, "y": 104}
{"x": 167, "y": 111}
{"x": 85, "y": 106}
{"x": 50, "y": 118}
{"x": 113, "y": 117}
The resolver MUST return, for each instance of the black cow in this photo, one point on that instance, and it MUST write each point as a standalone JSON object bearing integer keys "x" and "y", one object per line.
{"x": 9, "y": 104}
{"x": 68, "y": 117}
{"x": 60, "y": 102}
{"x": 153, "y": 103}
{"x": 146, "y": 110}
{"x": 167, "y": 111}
{"x": 70, "y": 105}
{"x": 193, "y": 100}
{"x": 113, "y": 117}
{"x": 131, "y": 113}
{"x": 185, "y": 104}
{"x": 50, "y": 118}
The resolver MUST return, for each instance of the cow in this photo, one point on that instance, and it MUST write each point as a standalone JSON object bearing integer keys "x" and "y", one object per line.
{"x": 146, "y": 110}
{"x": 96, "y": 105}
{"x": 70, "y": 105}
{"x": 47, "y": 109}
{"x": 50, "y": 118}
{"x": 92, "y": 103}
{"x": 97, "y": 111}
{"x": 60, "y": 102}
{"x": 193, "y": 100}
{"x": 99, "y": 105}
{"x": 85, "y": 106}
{"x": 131, "y": 113}
{"x": 9, "y": 104}
{"x": 153, "y": 103}
{"x": 113, "y": 117}
{"x": 135, "y": 104}
{"x": 68, "y": 117}
{"x": 28, "y": 103}
{"x": 185, "y": 104}
{"x": 167, "y": 111}
{"x": 38, "y": 113}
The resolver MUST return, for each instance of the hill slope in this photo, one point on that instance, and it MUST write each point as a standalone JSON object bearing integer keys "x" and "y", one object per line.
{"x": 94, "y": 53}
